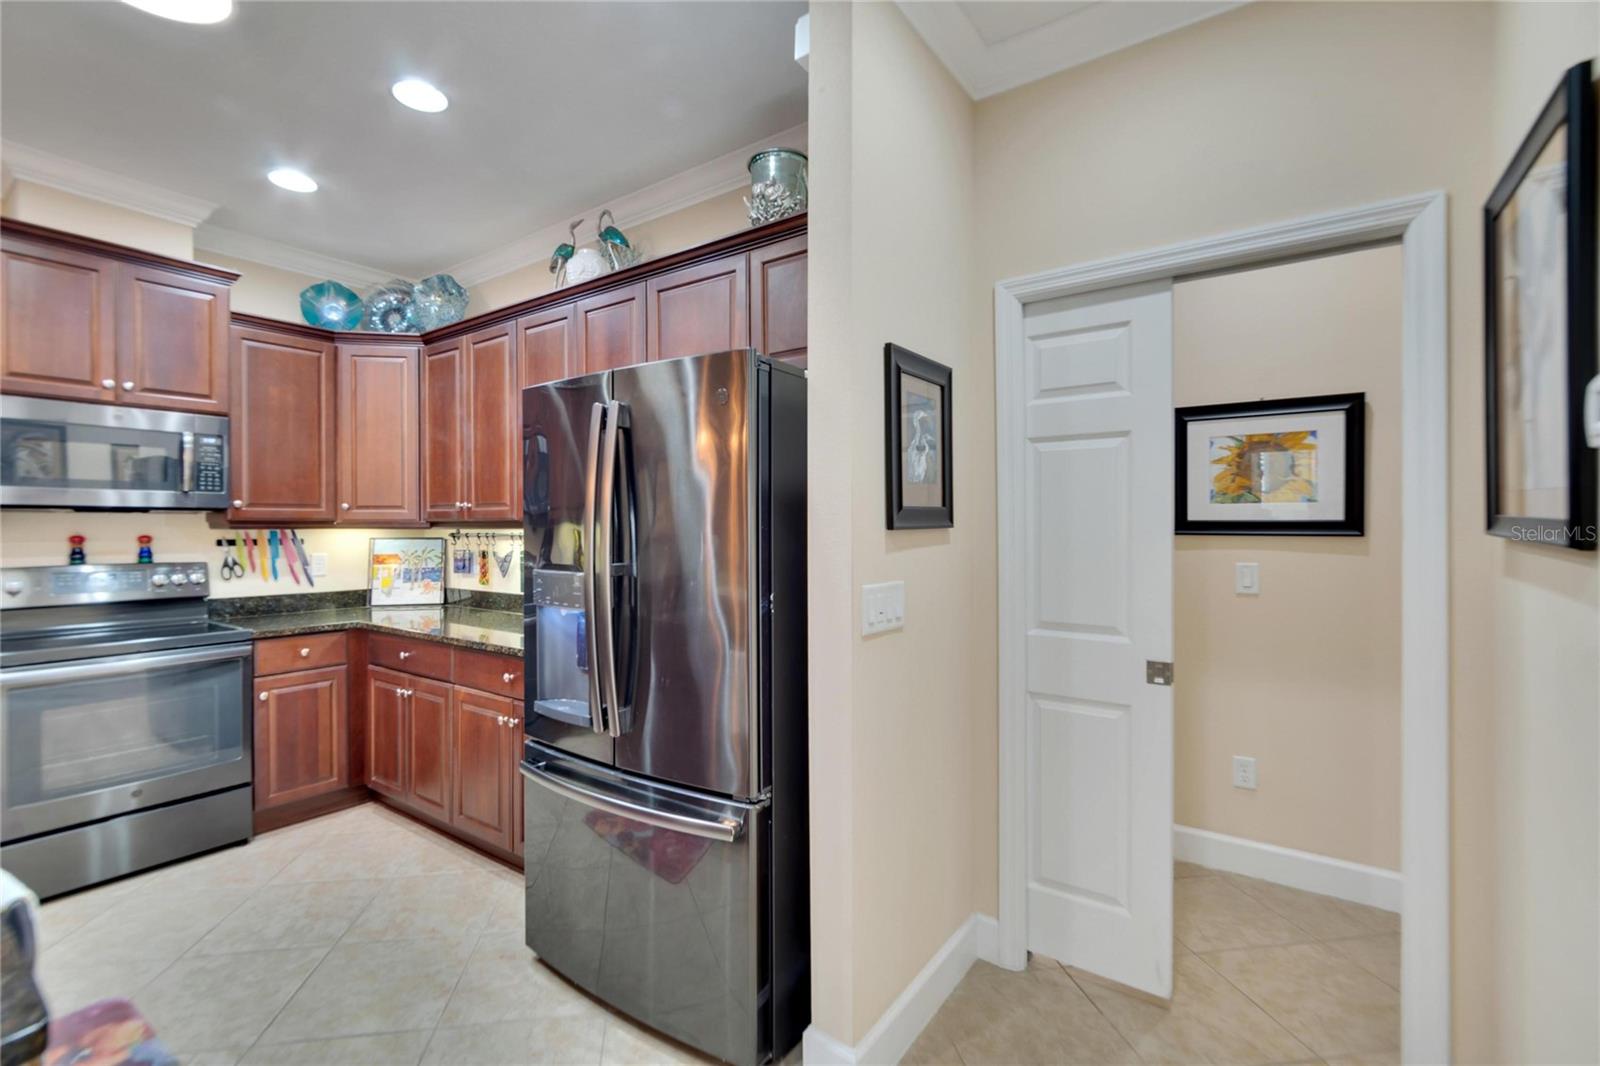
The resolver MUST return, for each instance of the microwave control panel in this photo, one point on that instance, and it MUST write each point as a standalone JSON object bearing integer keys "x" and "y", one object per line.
{"x": 210, "y": 464}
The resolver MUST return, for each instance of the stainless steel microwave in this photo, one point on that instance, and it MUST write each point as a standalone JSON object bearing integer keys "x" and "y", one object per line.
{"x": 55, "y": 453}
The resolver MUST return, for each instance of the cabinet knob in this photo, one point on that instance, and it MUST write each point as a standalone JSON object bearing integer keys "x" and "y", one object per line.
{"x": 305, "y": 653}
{"x": 127, "y": 386}
{"x": 508, "y": 677}
{"x": 344, "y": 507}
{"x": 405, "y": 655}
{"x": 262, "y": 697}
{"x": 108, "y": 383}
{"x": 468, "y": 506}
{"x": 238, "y": 503}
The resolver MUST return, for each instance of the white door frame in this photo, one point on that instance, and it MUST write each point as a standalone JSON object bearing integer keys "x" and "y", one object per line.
{"x": 1420, "y": 224}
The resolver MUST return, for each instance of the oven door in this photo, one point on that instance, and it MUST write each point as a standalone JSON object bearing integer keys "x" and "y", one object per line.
{"x": 87, "y": 740}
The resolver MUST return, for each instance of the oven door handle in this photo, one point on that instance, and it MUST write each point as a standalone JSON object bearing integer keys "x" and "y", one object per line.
{"x": 119, "y": 666}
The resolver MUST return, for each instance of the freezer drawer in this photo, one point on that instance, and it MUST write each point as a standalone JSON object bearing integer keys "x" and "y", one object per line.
{"x": 649, "y": 897}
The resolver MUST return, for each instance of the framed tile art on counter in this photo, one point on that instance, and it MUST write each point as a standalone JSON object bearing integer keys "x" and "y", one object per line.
{"x": 1272, "y": 467}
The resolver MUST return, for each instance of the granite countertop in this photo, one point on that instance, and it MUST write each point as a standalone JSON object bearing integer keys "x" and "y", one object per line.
{"x": 494, "y": 631}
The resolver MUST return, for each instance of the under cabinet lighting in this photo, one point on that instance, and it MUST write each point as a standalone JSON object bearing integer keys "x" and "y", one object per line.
{"x": 197, "y": 12}
{"x": 418, "y": 95}
{"x": 291, "y": 179}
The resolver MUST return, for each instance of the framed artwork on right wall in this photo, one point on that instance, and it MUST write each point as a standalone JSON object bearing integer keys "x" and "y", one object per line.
{"x": 1539, "y": 309}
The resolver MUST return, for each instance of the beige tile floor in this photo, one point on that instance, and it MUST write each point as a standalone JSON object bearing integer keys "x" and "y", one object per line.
{"x": 1261, "y": 974}
{"x": 360, "y": 937}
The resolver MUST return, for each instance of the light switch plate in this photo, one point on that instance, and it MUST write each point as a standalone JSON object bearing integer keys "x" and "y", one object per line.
{"x": 319, "y": 564}
{"x": 1247, "y": 579}
{"x": 883, "y": 607}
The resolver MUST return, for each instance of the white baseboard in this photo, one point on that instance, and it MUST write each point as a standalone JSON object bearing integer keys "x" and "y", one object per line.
{"x": 1372, "y": 885}
{"x": 898, "y": 1028}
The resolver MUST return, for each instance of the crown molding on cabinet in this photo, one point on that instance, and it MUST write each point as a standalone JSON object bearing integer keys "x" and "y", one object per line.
{"x": 29, "y": 231}
{"x": 714, "y": 178}
{"x": 80, "y": 179}
{"x": 268, "y": 252}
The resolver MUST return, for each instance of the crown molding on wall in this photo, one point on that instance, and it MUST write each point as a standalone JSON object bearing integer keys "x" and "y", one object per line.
{"x": 268, "y": 252}
{"x": 1077, "y": 37}
{"x": 44, "y": 168}
{"x": 714, "y": 178}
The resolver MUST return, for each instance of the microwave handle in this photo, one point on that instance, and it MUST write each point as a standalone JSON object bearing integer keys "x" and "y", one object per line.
{"x": 186, "y": 461}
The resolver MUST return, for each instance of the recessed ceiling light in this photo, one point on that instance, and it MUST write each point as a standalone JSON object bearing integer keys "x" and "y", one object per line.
{"x": 418, "y": 95}
{"x": 200, "y": 12}
{"x": 291, "y": 179}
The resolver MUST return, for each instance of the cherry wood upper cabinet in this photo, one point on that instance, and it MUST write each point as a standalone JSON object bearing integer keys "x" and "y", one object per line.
{"x": 778, "y": 300}
{"x": 59, "y": 337}
{"x": 610, "y": 328}
{"x": 442, "y": 492}
{"x": 548, "y": 346}
{"x": 428, "y": 746}
{"x": 302, "y": 729}
{"x": 172, "y": 340}
{"x": 386, "y": 732}
{"x": 484, "y": 746}
{"x": 698, "y": 309}
{"x": 379, "y": 435}
{"x": 282, "y": 459}
{"x": 491, "y": 429}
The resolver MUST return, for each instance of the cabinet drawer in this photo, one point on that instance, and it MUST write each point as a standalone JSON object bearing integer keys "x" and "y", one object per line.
{"x": 281, "y": 654}
{"x": 422, "y": 657}
{"x": 500, "y": 674}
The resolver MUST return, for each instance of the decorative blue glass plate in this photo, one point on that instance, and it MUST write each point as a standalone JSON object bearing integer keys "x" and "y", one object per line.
{"x": 390, "y": 308}
{"x": 439, "y": 300}
{"x": 331, "y": 306}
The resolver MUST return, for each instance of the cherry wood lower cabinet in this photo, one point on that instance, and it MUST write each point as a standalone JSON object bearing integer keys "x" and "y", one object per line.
{"x": 302, "y": 727}
{"x": 408, "y": 740}
{"x": 386, "y": 732}
{"x": 486, "y": 734}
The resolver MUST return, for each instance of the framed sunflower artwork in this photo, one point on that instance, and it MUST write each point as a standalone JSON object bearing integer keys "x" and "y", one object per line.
{"x": 1273, "y": 467}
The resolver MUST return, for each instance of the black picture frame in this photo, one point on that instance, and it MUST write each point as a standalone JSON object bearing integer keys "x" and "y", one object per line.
{"x": 1353, "y": 405}
{"x": 1572, "y": 106}
{"x": 898, "y": 363}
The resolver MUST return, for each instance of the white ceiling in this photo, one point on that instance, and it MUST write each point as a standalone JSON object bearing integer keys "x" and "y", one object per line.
{"x": 554, "y": 107}
{"x": 994, "y": 45}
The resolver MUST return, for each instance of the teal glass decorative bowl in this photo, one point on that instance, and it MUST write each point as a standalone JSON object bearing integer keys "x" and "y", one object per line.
{"x": 439, "y": 301}
{"x": 331, "y": 306}
{"x": 391, "y": 309}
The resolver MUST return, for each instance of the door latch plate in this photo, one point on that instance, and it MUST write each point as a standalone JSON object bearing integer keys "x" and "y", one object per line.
{"x": 1157, "y": 673}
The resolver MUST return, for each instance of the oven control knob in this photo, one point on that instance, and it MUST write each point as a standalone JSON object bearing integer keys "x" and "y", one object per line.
{"x": 197, "y": 577}
{"x": 14, "y": 588}
{"x": 158, "y": 580}
{"x": 180, "y": 579}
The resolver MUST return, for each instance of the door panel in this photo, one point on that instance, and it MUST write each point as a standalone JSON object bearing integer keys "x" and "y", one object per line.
{"x": 59, "y": 335}
{"x": 172, "y": 343}
{"x": 548, "y": 346}
{"x": 692, "y": 709}
{"x": 283, "y": 462}
{"x": 778, "y": 300}
{"x": 490, "y": 436}
{"x": 483, "y": 761}
{"x": 442, "y": 454}
{"x": 699, "y": 309}
{"x": 301, "y": 731}
{"x": 1099, "y": 605}
{"x": 386, "y": 732}
{"x": 428, "y": 747}
{"x": 611, "y": 328}
{"x": 380, "y": 454}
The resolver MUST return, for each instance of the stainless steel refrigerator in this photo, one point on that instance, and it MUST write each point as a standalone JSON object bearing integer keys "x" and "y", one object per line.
{"x": 665, "y": 756}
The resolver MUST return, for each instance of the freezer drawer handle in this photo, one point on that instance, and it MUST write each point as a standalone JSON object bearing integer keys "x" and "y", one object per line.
{"x": 725, "y": 829}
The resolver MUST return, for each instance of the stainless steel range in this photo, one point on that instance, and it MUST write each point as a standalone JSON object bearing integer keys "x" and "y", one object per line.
{"x": 124, "y": 722}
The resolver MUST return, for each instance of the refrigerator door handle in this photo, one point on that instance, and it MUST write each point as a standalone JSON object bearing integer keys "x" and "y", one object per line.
{"x": 591, "y": 565}
{"x": 724, "y": 828}
{"x": 605, "y": 605}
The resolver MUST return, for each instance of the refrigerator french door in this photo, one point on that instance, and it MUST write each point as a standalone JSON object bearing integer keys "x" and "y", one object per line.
{"x": 664, "y": 619}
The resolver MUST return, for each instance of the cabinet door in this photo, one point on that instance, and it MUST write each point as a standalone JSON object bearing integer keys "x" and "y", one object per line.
{"x": 441, "y": 432}
{"x": 778, "y": 300}
{"x": 484, "y": 762}
{"x": 282, "y": 443}
{"x": 492, "y": 434}
{"x": 172, "y": 341}
{"x": 516, "y": 780}
{"x": 301, "y": 732}
{"x": 59, "y": 337}
{"x": 548, "y": 346}
{"x": 610, "y": 328}
{"x": 386, "y": 732}
{"x": 699, "y": 309}
{"x": 380, "y": 454}
{"x": 428, "y": 747}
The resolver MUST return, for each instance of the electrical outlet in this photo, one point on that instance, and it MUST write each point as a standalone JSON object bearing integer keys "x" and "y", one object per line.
{"x": 883, "y": 607}
{"x": 1244, "y": 772}
{"x": 319, "y": 564}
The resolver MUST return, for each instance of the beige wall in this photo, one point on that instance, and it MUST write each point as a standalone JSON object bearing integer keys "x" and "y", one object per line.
{"x": 45, "y": 206}
{"x": 1305, "y": 677}
{"x": 891, "y": 716}
{"x": 261, "y": 289}
{"x": 1279, "y": 110}
{"x": 695, "y": 224}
